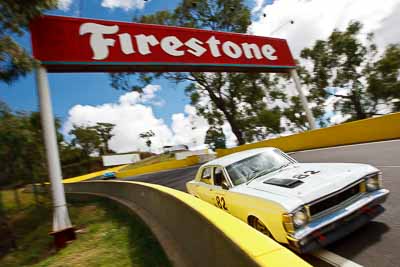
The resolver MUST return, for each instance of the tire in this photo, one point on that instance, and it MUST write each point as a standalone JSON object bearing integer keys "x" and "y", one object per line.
{"x": 259, "y": 226}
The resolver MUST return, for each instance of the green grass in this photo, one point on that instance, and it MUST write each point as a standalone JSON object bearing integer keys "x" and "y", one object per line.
{"x": 150, "y": 160}
{"x": 8, "y": 203}
{"x": 109, "y": 236}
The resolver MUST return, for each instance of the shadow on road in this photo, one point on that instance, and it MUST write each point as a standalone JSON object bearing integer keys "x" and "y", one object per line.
{"x": 358, "y": 241}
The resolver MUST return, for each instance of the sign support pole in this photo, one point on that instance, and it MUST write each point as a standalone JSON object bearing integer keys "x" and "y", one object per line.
{"x": 303, "y": 99}
{"x": 62, "y": 228}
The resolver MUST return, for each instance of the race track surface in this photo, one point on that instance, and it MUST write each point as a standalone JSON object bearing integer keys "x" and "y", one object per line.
{"x": 377, "y": 243}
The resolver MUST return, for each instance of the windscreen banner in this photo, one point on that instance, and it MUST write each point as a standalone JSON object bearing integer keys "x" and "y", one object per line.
{"x": 68, "y": 44}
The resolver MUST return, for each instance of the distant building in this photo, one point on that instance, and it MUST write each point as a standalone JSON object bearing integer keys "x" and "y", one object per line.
{"x": 176, "y": 148}
{"x": 120, "y": 159}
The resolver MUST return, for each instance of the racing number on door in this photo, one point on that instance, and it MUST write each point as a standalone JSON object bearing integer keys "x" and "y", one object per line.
{"x": 221, "y": 203}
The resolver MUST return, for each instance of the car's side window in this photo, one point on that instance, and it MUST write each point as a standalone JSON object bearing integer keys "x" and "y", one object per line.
{"x": 219, "y": 176}
{"x": 206, "y": 176}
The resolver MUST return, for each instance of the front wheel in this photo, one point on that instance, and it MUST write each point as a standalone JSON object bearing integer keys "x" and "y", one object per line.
{"x": 260, "y": 226}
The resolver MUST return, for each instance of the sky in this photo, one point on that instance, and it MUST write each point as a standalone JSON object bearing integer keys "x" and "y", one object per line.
{"x": 87, "y": 98}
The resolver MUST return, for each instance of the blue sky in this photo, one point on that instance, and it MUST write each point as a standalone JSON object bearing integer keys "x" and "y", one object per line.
{"x": 90, "y": 88}
{"x": 88, "y": 97}
{"x": 69, "y": 89}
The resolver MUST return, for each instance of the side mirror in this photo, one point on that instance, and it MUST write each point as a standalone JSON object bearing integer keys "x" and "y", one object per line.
{"x": 224, "y": 185}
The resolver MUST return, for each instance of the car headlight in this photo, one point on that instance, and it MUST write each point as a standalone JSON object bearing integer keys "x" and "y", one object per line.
{"x": 299, "y": 218}
{"x": 374, "y": 181}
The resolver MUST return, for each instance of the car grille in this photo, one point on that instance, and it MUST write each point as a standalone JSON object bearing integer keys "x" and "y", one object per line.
{"x": 334, "y": 200}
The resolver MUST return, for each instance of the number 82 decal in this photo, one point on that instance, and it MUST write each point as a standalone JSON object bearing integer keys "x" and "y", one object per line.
{"x": 221, "y": 203}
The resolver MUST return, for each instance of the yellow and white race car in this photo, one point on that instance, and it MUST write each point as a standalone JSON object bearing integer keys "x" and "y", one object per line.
{"x": 303, "y": 205}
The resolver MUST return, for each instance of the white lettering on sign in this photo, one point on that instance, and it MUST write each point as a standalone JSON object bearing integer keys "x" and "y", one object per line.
{"x": 251, "y": 50}
{"x": 268, "y": 52}
{"x": 144, "y": 42}
{"x": 213, "y": 43}
{"x": 171, "y": 45}
{"x": 231, "y": 49}
{"x": 98, "y": 43}
{"x": 126, "y": 43}
{"x": 195, "y": 47}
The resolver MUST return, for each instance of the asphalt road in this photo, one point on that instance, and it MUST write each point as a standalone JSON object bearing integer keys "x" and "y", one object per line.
{"x": 377, "y": 243}
{"x": 176, "y": 179}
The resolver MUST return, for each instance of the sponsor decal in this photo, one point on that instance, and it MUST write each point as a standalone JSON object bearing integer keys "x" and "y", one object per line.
{"x": 76, "y": 44}
{"x": 169, "y": 44}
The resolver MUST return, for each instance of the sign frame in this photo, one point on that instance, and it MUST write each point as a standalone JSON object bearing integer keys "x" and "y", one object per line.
{"x": 58, "y": 52}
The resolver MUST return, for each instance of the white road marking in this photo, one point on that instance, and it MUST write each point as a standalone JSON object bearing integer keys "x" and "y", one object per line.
{"x": 333, "y": 147}
{"x": 334, "y": 259}
{"x": 388, "y": 166}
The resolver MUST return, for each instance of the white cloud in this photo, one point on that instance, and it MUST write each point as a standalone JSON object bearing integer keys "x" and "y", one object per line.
{"x": 231, "y": 140}
{"x": 339, "y": 118}
{"x": 124, "y": 4}
{"x": 258, "y": 6}
{"x": 147, "y": 97}
{"x": 189, "y": 128}
{"x": 64, "y": 4}
{"x": 316, "y": 19}
{"x": 132, "y": 117}
{"x": 130, "y": 120}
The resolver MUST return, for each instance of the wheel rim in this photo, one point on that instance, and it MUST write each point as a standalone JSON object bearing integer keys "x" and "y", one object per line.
{"x": 260, "y": 226}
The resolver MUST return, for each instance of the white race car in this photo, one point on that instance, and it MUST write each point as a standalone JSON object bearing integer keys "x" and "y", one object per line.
{"x": 303, "y": 205}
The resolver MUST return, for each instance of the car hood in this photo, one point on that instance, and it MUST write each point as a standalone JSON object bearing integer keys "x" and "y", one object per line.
{"x": 318, "y": 179}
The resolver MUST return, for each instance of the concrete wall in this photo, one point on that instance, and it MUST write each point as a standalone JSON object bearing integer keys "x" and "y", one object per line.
{"x": 113, "y": 160}
{"x": 369, "y": 130}
{"x": 162, "y": 166}
{"x": 185, "y": 154}
{"x": 91, "y": 175}
{"x": 191, "y": 231}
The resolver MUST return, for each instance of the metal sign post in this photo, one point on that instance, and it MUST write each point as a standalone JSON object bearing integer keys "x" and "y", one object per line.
{"x": 303, "y": 99}
{"x": 62, "y": 228}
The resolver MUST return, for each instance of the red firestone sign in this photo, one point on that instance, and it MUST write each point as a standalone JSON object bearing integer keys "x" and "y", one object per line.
{"x": 66, "y": 44}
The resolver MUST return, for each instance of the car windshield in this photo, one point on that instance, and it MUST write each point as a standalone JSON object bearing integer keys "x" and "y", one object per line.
{"x": 257, "y": 165}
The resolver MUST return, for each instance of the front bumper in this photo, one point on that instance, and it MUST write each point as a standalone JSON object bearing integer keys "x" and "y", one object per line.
{"x": 338, "y": 224}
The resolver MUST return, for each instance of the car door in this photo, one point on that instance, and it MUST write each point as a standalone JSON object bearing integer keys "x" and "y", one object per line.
{"x": 220, "y": 196}
{"x": 205, "y": 185}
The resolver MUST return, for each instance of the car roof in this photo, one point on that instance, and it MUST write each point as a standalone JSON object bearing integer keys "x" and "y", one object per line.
{"x": 229, "y": 159}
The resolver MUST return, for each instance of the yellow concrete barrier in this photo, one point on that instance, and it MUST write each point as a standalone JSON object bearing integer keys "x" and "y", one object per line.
{"x": 191, "y": 231}
{"x": 91, "y": 175}
{"x": 369, "y": 130}
{"x": 162, "y": 166}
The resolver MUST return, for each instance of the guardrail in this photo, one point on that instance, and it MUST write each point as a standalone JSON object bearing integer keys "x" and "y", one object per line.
{"x": 162, "y": 166}
{"x": 369, "y": 130}
{"x": 192, "y": 232}
{"x": 91, "y": 175}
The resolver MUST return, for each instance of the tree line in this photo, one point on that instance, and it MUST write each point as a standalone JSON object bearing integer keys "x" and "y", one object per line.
{"x": 22, "y": 152}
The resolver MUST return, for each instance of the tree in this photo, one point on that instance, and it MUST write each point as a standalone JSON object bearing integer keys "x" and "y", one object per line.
{"x": 22, "y": 153}
{"x": 104, "y": 131}
{"x": 86, "y": 138}
{"x": 147, "y": 136}
{"x": 348, "y": 69}
{"x": 215, "y": 137}
{"x": 21, "y": 148}
{"x": 238, "y": 98}
{"x": 14, "y": 19}
{"x": 383, "y": 79}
